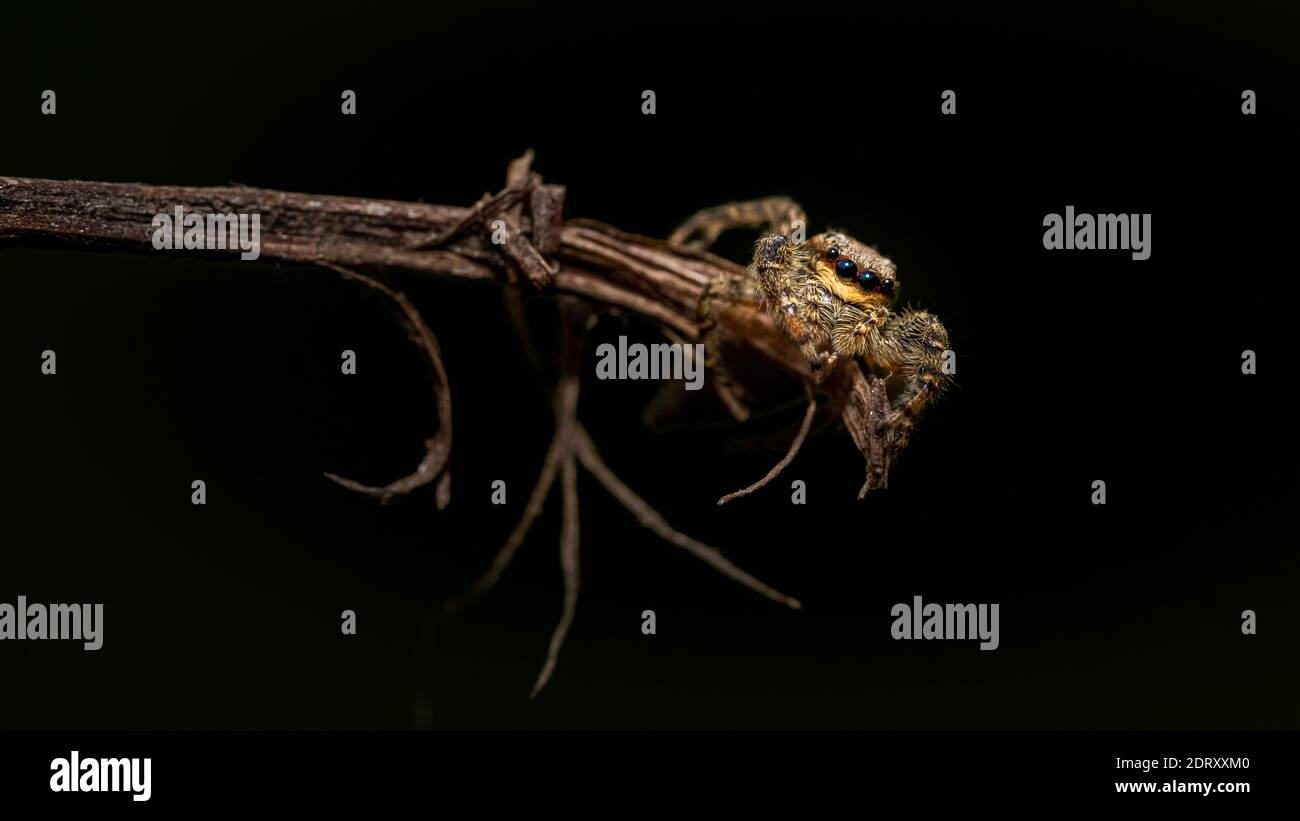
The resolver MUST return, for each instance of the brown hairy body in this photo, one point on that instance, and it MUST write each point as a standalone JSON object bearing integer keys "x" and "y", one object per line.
{"x": 833, "y": 297}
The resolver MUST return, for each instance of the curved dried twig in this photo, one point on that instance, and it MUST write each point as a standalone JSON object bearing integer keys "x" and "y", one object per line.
{"x": 438, "y": 447}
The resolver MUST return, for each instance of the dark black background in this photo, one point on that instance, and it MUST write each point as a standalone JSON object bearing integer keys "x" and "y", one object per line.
{"x": 1072, "y": 367}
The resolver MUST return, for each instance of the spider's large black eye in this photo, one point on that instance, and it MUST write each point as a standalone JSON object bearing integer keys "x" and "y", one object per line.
{"x": 846, "y": 268}
{"x": 869, "y": 280}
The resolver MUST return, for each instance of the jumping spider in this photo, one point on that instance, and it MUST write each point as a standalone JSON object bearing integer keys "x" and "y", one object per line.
{"x": 831, "y": 295}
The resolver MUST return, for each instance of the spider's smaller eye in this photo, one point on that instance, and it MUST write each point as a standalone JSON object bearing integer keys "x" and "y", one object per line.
{"x": 887, "y": 287}
{"x": 846, "y": 268}
{"x": 832, "y": 252}
{"x": 868, "y": 280}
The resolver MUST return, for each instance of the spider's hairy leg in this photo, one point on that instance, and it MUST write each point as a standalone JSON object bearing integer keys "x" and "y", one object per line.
{"x": 912, "y": 344}
{"x": 723, "y": 289}
{"x": 800, "y": 329}
{"x": 777, "y": 214}
{"x": 781, "y": 269}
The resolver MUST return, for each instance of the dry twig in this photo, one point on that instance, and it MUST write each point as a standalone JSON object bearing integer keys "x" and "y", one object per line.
{"x": 608, "y": 269}
{"x": 438, "y": 447}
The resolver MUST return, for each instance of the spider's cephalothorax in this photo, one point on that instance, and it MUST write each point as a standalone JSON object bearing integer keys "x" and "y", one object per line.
{"x": 832, "y": 295}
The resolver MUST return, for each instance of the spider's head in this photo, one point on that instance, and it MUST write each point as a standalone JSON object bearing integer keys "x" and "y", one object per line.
{"x": 854, "y": 272}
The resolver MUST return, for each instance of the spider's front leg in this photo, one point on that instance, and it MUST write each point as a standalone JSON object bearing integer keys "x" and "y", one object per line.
{"x": 778, "y": 214}
{"x": 782, "y": 269}
{"x": 912, "y": 345}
